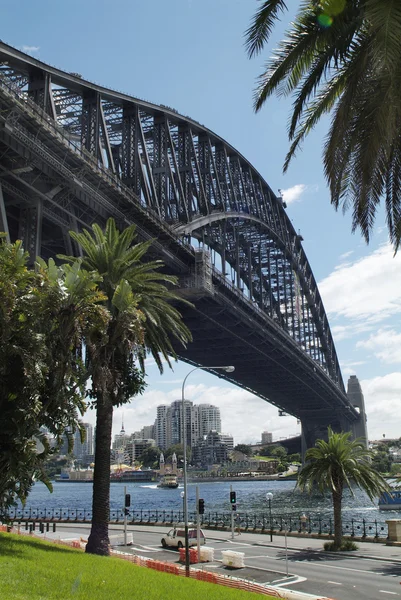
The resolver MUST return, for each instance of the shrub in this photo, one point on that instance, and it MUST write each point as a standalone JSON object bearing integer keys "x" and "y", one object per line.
{"x": 346, "y": 546}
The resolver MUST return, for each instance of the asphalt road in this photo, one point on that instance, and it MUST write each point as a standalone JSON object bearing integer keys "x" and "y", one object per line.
{"x": 342, "y": 577}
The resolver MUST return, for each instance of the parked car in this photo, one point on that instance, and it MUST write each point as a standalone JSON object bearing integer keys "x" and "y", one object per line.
{"x": 176, "y": 537}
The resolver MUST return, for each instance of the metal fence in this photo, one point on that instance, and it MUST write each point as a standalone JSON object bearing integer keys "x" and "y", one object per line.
{"x": 360, "y": 528}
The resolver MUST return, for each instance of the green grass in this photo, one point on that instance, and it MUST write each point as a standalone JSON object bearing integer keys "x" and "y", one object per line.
{"x": 31, "y": 569}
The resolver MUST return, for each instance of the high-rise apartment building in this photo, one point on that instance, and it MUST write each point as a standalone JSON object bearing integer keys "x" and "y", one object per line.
{"x": 161, "y": 427}
{"x": 267, "y": 437}
{"x": 200, "y": 419}
{"x": 209, "y": 419}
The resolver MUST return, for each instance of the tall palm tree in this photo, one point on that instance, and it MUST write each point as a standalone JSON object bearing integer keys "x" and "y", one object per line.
{"x": 342, "y": 57}
{"x": 337, "y": 464}
{"x": 143, "y": 319}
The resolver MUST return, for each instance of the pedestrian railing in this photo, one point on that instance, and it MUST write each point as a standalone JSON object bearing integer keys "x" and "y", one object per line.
{"x": 294, "y": 523}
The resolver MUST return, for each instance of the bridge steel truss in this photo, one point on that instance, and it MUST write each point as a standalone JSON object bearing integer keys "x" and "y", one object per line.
{"x": 73, "y": 152}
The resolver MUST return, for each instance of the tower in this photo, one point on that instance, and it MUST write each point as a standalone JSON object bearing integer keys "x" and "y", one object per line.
{"x": 161, "y": 464}
{"x": 355, "y": 396}
{"x": 174, "y": 464}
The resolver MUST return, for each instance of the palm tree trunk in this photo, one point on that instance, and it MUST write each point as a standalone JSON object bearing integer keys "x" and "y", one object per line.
{"x": 98, "y": 541}
{"x": 338, "y": 529}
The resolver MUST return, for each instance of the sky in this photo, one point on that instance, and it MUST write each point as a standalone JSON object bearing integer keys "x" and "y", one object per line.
{"x": 190, "y": 55}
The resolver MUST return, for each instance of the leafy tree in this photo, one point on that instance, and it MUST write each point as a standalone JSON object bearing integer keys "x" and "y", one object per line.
{"x": 279, "y": 452}
{"x": 43, "y": 317}
{"x": 178, "y": 450}
{"x": 244, "y": 448}
{"x": 342, "y": 57}
{"x": 294, "y": 458}
{"x": 138, "y": 298}
{"x": 336, "y": 464}
{"x": 382, "y": 461}
{"x": 150, "y": 457}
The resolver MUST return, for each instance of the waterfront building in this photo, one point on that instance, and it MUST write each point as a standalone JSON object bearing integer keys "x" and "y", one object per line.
{"x": 137, "y": 447}
{"x": 211, "y": 450}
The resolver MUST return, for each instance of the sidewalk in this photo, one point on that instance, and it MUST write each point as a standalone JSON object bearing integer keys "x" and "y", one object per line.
{"x": 373, "y": 550}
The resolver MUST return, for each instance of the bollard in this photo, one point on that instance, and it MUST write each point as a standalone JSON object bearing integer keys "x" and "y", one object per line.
{"x": 41, "y": 528}
{"x": 54, "y": 528}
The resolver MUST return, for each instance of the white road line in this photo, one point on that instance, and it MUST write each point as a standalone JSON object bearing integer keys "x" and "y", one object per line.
{"x": 386, "y": 592}
{"x": 334, "y": 582}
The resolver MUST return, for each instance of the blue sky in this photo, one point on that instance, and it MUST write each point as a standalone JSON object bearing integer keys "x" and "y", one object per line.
{"x": 189, "y": 54}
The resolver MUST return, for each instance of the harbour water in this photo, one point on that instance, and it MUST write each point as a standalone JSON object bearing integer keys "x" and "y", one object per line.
{"x": 251, "y": 498}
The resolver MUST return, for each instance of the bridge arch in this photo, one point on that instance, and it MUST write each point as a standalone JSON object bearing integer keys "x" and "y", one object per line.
{"x": 73, "y": 152}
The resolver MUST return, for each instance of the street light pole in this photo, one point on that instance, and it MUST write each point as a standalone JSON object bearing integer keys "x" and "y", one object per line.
{"x": 269, "y": 498}
{"x": 227, "y": 369}
{"x": 183, "y": 509}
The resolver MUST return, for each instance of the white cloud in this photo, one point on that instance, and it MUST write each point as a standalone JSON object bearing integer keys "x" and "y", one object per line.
{"x": 383, "y": 405}
{"x": 367, "y": 290}
{"x": 294, "y": 193}
{"x": 385, "y": 344}
{"x": 233, "y": 403}
{"x": 346, "y": 254}
{"x": 31, "y": 49}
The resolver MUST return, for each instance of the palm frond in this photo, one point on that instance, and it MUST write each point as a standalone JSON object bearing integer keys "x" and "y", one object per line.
{"x": 262, "y": 24}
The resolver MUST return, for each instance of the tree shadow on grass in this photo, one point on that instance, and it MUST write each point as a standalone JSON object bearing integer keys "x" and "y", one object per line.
{"x": 17, "y": 546}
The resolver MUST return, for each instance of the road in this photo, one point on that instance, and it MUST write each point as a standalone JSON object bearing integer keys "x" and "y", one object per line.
{"x": 342, "y": 577}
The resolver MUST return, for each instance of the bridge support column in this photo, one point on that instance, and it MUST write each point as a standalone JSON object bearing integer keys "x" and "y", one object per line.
{"x": 3, "y": 216}
{"x": 355, "y": 396}
{"x": 30, "y": 230}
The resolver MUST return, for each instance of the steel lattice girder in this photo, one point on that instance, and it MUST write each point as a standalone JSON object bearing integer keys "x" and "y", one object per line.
{"x": 95, "y": 152}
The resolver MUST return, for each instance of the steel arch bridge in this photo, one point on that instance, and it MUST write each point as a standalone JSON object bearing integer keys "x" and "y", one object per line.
{"x": 73, "y": 152}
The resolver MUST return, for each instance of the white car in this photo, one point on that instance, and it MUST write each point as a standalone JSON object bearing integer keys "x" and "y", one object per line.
{"x": 176, "y": 537}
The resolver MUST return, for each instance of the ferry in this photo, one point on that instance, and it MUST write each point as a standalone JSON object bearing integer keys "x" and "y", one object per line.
{"x": 169, "y": 480}
{"x": 390, "y": 501}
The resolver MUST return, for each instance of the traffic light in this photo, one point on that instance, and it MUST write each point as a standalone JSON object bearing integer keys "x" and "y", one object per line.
{"x": 233, "y": 498}
{"x": 201, "y": 506}
{"x": 233, "y": 507}
{"x": 127, "y": 500}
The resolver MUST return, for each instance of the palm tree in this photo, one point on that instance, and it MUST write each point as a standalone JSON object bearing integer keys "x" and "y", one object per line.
{"x": 342, "y": 57}
{"x": 336, "y": 464}
{"x": 138, "y": 298}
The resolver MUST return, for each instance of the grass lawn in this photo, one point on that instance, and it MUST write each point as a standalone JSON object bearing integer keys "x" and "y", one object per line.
{"x": 31, "y": 569}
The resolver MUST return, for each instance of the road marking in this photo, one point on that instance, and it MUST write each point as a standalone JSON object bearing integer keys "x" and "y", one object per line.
{"x": 294, "y": 579}
{"x": 334, "y": 582}
{"x": 386, "y": 592}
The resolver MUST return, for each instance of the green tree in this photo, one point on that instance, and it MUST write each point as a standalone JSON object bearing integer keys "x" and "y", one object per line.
{"x": 279, "y": 452}
{"x": 382, "y": 460}
{"x": 150, "y": 457}
{"x": 338, "y": 463}
{"x": 244, "y": 448}
{"x": 143, "y": 319}
{"x": 342, "y": 57}
{"x": 178, "y": 450}
{"x": 43, "y": 317}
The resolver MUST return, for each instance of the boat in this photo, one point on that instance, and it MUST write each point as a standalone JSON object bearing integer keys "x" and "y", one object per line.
{"x": 390, "y": 500}
{"x": 169, "y": 480}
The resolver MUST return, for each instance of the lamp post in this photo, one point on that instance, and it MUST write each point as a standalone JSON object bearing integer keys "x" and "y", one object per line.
{"x": 227, "y": 369}
{"x": 183, "y": 509}
{"x": 269, "y": 498}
